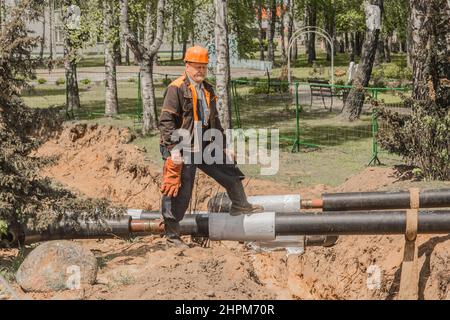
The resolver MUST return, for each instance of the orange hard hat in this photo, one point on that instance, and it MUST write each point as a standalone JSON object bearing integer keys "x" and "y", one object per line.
{"x": 196, "y": 54}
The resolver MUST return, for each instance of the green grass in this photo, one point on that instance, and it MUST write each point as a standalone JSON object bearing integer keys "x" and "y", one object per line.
{"x": 91, "y": 61}
{"x": 92, "y": 96}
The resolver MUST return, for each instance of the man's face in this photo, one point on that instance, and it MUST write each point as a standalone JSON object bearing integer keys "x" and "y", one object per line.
{"x": 197, "y": 71}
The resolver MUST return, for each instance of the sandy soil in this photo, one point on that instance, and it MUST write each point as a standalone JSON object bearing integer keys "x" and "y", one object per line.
{"x": 99, "y": 162}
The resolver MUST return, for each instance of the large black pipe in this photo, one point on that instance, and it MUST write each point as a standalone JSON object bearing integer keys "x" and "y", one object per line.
{"x": 384, "y": 200}
{"x": 338, "y": 223}
{"x": 70, "y": 230}
{"x": 360, "y": 223}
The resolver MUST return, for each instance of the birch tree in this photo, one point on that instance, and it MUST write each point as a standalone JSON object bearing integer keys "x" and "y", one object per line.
{"x": 271, "y": 21}
{"x": 356, "y": 97}
{"x": 223, "y": 64}
{"x": 71, "y": 43}
{"x": 260, "y": 30}
{"x": 51, "y": 27}
{"x": 111, "y": 36}
{"x": 429, "y": 24}
{"x": 145, "y": 52}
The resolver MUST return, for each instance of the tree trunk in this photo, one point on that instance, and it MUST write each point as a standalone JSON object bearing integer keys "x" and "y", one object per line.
{"x": 312, "y": 21}
{"x": 111, "y": 100}
{"x": 379, "y": 55}
{"x": 346, "y": 42}
{"x": 353, "y": 43}
{"x": 283, "y": 38}
{"x": 44, "y": 23}
{"x": 184, "y": 47}
{"x": 70, "y": 64}
{"x": 145, "y": 52}
{"x": 358, "y": 43}
{"x": 290, "y": 8}
{"x": 424, "y": 20}
{"x": 51, "y": 26}
{"x": 356, "y": 97}
{"x": 223, "y": 64}
{"x": 149, "y": 116}
{"x": 260, "y": 31}
{"x": 271, "y": 19}
{"x": 387, "y": 49}
{"x": 172, "y": 39}
{"x": 72, "y": 93}
{"x": 2, "y": 14}
{"x": 117, "y": 43}
{"x": 409, "y": 40}
{"x": 330, "y": 21}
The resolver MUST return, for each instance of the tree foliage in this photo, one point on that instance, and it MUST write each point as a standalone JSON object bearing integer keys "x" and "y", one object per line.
{"x": 26, "y": 197}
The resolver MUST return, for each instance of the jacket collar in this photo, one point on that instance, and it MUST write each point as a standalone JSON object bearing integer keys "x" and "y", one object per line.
{"x": 187, "y": 81}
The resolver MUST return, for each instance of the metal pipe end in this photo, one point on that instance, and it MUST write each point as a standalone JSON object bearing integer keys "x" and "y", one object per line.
{"x": 312, "y": 204}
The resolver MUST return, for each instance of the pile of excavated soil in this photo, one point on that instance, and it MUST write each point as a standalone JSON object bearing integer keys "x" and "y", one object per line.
{"x": 98, "y": 162}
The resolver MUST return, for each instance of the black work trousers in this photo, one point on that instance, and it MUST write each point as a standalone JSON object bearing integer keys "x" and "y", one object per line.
{"x": 227, "y": 175}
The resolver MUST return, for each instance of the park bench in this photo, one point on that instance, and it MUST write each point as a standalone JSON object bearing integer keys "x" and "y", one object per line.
{"x": 323, "y": 89}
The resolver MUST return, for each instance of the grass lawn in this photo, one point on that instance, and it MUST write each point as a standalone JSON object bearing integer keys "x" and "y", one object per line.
{"x": 92, "y": 96}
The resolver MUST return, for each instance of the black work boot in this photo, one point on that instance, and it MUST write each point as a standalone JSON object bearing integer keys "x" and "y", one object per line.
{"x": 239, "y": 203}
{"x": 173, "y": 239}
{"x": 237, "y": 210}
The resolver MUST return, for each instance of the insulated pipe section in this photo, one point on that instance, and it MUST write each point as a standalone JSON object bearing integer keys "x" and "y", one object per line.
{"x": 83, "y": 230}
{"x": 383, "y": 200}
{"x": 275, "y": 203}
{"x": 249, "y": 227}
{"x": 360, "y": 223}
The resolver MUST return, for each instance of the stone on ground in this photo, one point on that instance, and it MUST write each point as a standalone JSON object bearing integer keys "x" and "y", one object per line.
{"x": 57, "y": 265}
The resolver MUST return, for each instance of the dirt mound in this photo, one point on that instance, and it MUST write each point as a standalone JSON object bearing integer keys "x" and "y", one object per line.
{"x": 371, "y": 179}
{"x": 99, "y": 162}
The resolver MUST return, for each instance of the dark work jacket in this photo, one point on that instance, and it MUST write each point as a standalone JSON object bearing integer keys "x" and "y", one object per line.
{"x": 180, "y": 111}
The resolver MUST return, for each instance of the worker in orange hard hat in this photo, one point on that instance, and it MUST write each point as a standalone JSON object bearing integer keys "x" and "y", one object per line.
{"x": 190, "y": 103}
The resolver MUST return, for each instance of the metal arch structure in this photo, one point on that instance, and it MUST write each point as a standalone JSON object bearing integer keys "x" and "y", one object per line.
{"x": 307, "y": 30}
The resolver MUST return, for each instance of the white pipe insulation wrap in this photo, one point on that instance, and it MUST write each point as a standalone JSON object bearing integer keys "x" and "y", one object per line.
{"x": 248, "y": 227}
{"x": 278, "y": 203}
{"x": 135, "y": 214}
{"x": 294, "y": 245}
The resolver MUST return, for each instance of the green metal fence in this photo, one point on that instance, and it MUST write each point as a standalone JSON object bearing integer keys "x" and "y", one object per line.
{"x": 308, "y": 114}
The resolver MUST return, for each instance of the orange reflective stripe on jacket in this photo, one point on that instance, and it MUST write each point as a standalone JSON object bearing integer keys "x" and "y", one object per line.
{"x": 208, "y": 98}
{"x": 194, "y": 101}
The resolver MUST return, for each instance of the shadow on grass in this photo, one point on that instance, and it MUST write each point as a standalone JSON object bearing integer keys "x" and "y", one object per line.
{"x": 318, "y": 127}
{"x": 52, "y": 91}
{"x": 126, "y": 105}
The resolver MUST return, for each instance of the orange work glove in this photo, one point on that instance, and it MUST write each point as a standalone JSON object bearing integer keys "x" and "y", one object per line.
{"x": 171, "y": 178}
